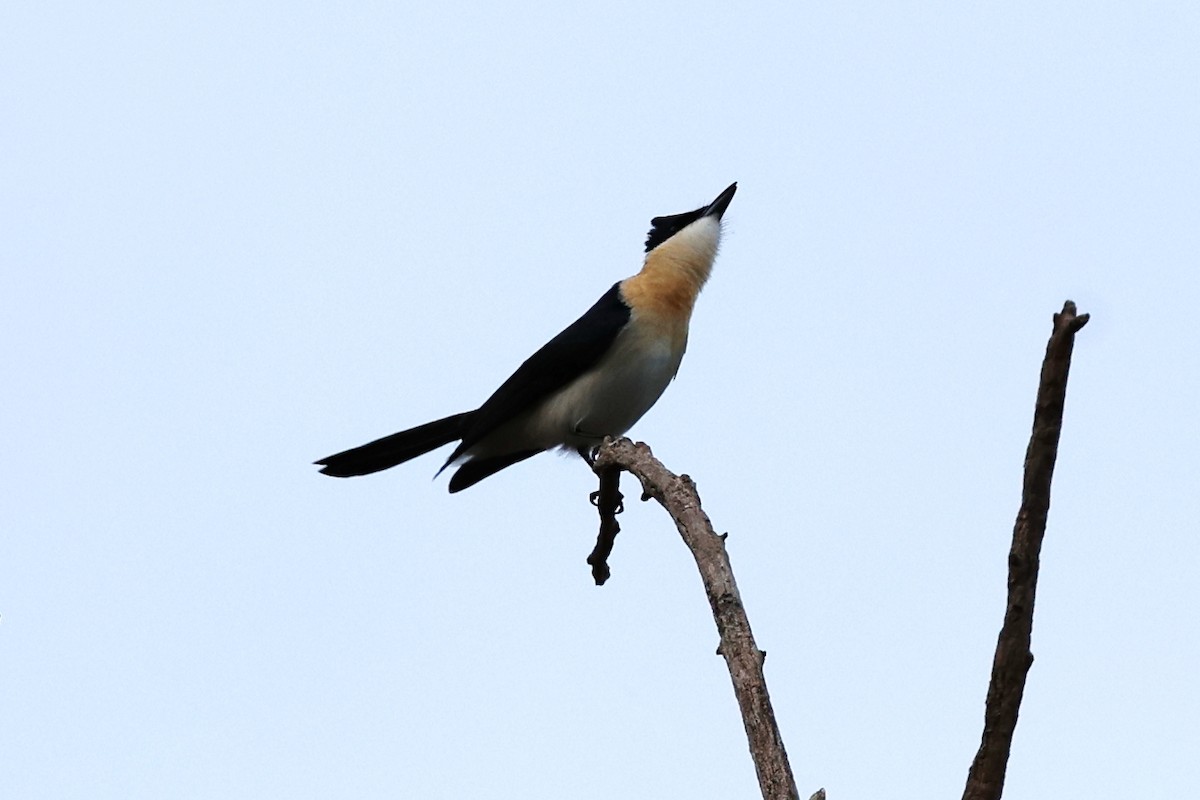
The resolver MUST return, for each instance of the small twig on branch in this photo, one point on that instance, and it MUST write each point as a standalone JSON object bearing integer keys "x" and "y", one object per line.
{"x": 677, "y": 494}
{"x": 985, "y": 781}
{"x": 608, "y": 503}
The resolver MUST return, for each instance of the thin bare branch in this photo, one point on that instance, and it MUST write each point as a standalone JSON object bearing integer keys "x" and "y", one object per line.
{"x": 608, "y": 502}
{"x": 677, "y": 494}
{"x": 985, "y": 781}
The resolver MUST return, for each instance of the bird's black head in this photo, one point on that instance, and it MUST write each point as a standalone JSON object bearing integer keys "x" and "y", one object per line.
{"x": 663, "y": 228}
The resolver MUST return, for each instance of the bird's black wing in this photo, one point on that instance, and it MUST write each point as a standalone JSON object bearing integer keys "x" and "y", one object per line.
{"x": 564, "y": 358}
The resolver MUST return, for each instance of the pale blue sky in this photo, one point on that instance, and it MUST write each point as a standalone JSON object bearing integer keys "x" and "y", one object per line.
{"x": 238, "y": 237}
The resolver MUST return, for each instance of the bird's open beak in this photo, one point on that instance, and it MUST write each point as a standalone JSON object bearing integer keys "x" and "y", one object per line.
{"x": 718, "y": 206}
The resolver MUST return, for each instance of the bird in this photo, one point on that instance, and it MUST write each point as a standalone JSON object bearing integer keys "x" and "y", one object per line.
{"x": 596, "y": 378}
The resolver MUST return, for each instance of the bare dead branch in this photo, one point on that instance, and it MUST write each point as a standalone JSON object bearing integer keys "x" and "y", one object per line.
{"x": 677, "y": 494}
{"x": 608, "y": 503}
{"x": 985, "y": 781}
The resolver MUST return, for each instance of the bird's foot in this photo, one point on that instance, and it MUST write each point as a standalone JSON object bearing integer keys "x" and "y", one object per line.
{"x": 594, "y": 499}
{"x": 589, "y": 454}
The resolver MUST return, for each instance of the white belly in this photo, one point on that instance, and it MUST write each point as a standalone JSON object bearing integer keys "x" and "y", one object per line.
{"x": 605, "y": 401}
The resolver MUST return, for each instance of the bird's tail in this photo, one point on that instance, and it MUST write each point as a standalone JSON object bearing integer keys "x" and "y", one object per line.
{"x": 395, "y": 449}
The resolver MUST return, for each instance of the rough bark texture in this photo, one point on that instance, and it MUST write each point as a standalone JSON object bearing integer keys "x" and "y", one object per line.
{"x": 985, "y": 781}
{"x": 677, "y": 494}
